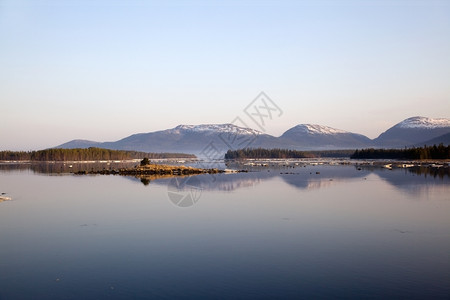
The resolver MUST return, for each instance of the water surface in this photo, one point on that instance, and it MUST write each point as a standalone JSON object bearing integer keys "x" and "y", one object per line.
{"x": 306, "y": 232}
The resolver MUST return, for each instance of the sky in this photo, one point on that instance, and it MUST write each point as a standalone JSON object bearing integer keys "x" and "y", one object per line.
{"x": 103, "y": 70}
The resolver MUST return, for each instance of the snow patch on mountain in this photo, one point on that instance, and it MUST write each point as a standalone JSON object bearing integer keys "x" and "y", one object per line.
{"x": 317, "y": 129}
{"x": 425, "y": 123}
{"x": 217, "y": 128}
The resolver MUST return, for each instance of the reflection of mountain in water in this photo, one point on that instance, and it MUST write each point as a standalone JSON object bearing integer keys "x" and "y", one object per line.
{"x": 218, "y": 182}
{"x": 311, "y": 177}
{"x": 411, "y": 179}
{"x": 414, "y": 179}
{"x": 314, "y": 177}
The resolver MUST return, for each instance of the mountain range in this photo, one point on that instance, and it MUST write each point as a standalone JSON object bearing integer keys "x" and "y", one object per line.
{"x": 208, "y": 139}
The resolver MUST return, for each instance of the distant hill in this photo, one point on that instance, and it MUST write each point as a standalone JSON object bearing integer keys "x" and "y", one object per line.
{"x": 413, "y": 131}
{"x": 213, "y": 140}
{"x": 187, "y": 138}
{"x": 319, "y": 136}
{"x": 79, "y": 144}
{"x": 442, "y": 139}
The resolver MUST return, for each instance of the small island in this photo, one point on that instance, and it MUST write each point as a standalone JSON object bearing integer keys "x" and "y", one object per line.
{"x": 146, "y": 168}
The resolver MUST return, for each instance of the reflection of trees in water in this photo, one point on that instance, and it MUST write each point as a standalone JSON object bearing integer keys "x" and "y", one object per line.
{"x": 425, "y": 171}
{"x": 440, "y": 172}
{"x": 412, "y": 180}
{"x": 301, "y": 176}
{"x": 14, "y": 167}
{"x": 145, "y": 181}
{"x": 61, "y": 168}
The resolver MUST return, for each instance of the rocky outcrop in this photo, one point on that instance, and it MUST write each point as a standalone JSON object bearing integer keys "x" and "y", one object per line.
{"x": 154, "y": 169}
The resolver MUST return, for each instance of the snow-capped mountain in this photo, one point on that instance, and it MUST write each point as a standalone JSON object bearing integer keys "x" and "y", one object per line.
{"x": 215, "y": 139}
{"x": 319, "y": 136}
{"x": 412, "y": 131}
{"x": 216, "y": 128}
{"x": 316, "y": 129}
{"x": 188, "y": 138}
{"x": 424, "y": 123}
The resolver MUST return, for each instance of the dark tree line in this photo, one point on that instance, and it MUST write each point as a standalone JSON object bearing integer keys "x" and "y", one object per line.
{"x": 90, "y": 154}
{"x": 265, "y": 153}
{"x": 284, "y": 153}
{"x": 332, "y": 153}
{"x": 426, "y": 152}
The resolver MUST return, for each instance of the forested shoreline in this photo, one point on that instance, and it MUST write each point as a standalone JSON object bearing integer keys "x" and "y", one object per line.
{"x": 89, "y": 154}
{"x": 425, "y": 152}
{"x": 284, "y": 153}
{"x": 416, "y": 153}
{"x": 264, "y": 153}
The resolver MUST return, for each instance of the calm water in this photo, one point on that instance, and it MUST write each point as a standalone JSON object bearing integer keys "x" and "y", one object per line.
{"x": 342, "y": 233}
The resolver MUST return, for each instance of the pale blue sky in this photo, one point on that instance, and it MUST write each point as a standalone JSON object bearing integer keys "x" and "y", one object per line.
{"x": 102, "y": 70}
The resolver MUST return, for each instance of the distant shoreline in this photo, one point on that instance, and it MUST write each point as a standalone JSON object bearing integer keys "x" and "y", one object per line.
{"x": 89, "y": 154}
{"x": 184, "y": 160}
{"x": 180, "y": 159}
